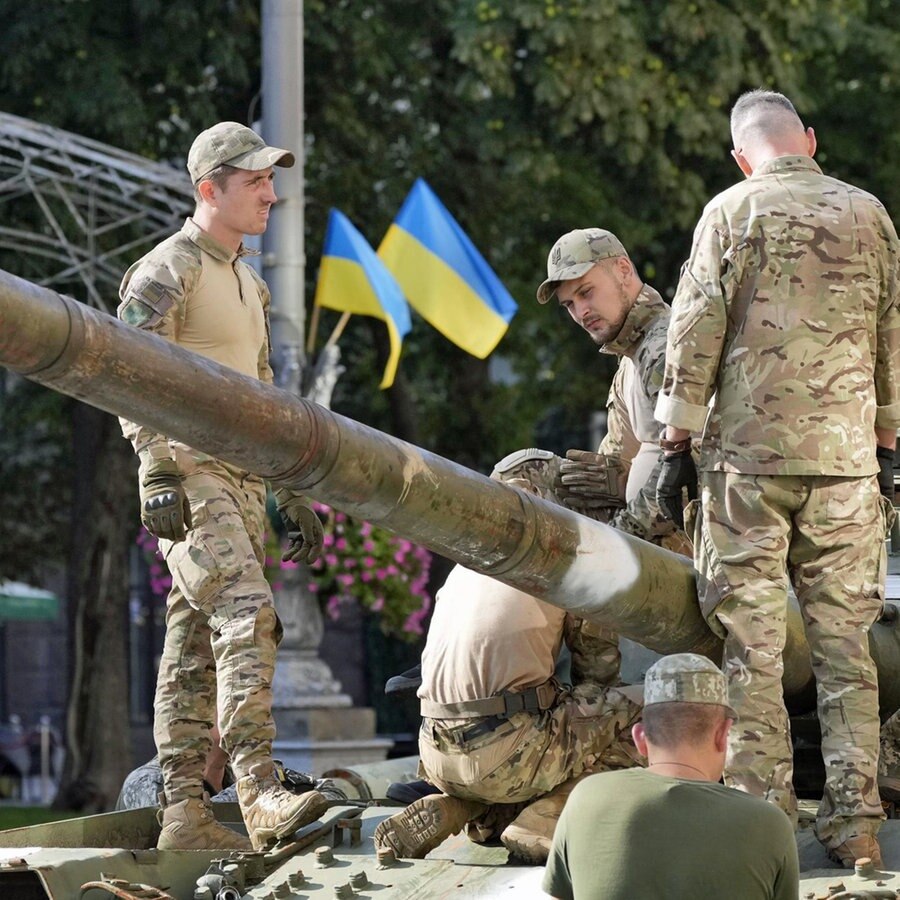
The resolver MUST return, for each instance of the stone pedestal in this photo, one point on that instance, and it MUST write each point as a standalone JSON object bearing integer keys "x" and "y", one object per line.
{"x": 317, "y": 726}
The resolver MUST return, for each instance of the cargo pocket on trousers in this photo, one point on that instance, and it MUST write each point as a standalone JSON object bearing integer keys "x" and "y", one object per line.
{"x": 471, "y": 763}
{"x": 194, "y": 569}
{"x": 713, "y": 588}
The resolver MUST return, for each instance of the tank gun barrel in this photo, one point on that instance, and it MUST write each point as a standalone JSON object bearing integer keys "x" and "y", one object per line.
{"x": 644, "y": 592}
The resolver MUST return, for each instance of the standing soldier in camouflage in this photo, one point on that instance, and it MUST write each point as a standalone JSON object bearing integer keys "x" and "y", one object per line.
{"x": 593, "y": 278}
{"x": 222, "y": 631}
{"x": 787, "y": 316}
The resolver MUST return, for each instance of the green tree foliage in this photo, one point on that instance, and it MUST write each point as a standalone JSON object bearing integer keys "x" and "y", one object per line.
{"x": 528, "y": 117}
{"x": 35, "y": 473}
{"x": 143, "y": 75}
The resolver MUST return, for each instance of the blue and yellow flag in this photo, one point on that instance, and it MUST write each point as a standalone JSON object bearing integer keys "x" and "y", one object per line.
{"x": 443, "y": 276}
{"x": 353, "y": 279}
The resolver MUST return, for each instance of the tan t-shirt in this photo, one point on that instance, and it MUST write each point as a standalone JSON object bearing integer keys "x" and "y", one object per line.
{"x": 487, "y": 638}
{"x": 195, "y": 292}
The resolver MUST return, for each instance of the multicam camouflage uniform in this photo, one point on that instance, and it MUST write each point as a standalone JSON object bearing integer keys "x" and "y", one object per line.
{"x": 632, "y": 430}
{"x": 787, "y": 312}
{"x": 585, "y": 728}
{"x": 221, "y": 627}
{"x": 889, "y": 755}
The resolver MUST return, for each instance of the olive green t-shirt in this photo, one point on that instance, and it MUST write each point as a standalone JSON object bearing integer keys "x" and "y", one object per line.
{"x": 634, "y": 835}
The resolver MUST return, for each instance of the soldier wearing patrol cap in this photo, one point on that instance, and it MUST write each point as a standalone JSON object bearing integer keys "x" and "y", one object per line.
{"x": 222, "y": 631}
{"x": 595, "y": 281}
{"x": 784, "y": 347}
{"x": 670, "y": 830}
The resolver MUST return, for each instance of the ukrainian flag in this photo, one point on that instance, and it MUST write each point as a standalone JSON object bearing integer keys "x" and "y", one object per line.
{"x": 443, "y": 276}
{"x": 353, "y": 279}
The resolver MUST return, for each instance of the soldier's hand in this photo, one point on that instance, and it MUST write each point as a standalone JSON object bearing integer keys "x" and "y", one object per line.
{"x": 165, "y": 509}
{"x": 677, "y": 471}
{"x": 304, "y": 527}
{"x": 885, "y": 458}
{"x": 591, "y": 481}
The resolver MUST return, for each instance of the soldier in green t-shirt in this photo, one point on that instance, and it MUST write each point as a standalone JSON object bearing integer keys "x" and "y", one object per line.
{"x": 671, "y": 830}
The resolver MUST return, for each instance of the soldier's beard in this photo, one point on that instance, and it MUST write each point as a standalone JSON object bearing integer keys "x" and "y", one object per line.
{"x": 609, "y": 331}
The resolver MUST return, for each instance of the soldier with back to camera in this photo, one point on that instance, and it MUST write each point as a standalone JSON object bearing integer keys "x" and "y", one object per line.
{"x": 670, "y": 830}
{"x": 195, "y": 290}
{"x": 785, "y": 342}
{"x": 501, "y": 736}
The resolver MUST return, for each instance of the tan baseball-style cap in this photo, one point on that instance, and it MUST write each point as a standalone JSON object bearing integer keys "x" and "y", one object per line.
{"x": 686, "y": 678}
{"x": 574, "y": 254}
{"x": 233, "y": 144}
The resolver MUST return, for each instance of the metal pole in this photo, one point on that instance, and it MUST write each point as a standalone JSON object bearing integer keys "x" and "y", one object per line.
{"x": 284, "y": 258}
{"x": 45, "y": 760}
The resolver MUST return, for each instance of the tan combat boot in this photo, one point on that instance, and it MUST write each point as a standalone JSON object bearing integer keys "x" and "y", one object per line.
{"x": 271, "y": 812}
{"x": 860, "y": 846}
{"x": 419, "y": 828}
{"x": 530, "y": 834}
{"x": 191, "y": 825}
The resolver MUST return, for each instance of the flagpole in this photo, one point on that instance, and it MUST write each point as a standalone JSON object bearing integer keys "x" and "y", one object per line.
{"x": 313, "y": 328}
{"x": 338, "y": 329}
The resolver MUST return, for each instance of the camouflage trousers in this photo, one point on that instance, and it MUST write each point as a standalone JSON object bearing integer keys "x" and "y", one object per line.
{"x": 889, "y": 757}
{"x": 221, "y": 636}
{"x": 826, "y": 534}
{"x": 531, "y": 753}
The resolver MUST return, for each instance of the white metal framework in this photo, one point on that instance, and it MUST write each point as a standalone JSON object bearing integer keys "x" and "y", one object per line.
{"x": 75, "y": 213}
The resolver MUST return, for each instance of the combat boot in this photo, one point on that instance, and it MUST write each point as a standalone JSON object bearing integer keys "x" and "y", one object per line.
{"x": 271, "y": 812}
{"x": 857, "y": 847}
{"x": 530, "y": 834}
{"x": 191, "y": 825}
{"x": 418, "y": 829}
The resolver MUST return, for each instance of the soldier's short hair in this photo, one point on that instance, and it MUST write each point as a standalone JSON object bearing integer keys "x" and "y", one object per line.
{"x": 761, "y": 113}
{"x": 218, "y": 176}
{"x": 671, "y": 725}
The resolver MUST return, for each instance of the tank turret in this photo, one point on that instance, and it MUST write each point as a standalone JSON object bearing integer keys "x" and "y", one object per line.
{"x": 646, "y": 593}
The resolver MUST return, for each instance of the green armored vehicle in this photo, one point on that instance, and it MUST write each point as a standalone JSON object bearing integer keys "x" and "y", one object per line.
{"x": 644, "y": 592}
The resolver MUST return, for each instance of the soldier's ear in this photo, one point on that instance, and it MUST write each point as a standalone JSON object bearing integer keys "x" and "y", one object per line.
{"x": 625, "y": 268}
{"x": 207, "y": 191}
{"x": 639, "y": 738}
{"x": 720, "y": 737}
{"x": 811, "y": 141}
{"x": 743, "y": 162}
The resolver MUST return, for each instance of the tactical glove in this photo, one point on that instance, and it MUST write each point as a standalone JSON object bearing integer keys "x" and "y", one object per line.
{"x": 591, "y": 481}
{"x": 885, "y": 458}
{"x": 165, "y": 510}
{"x": 304, "y": 527}
{"x": 677, "y": 471}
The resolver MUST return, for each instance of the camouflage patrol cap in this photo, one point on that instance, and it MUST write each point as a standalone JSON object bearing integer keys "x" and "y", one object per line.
{"x": 538, "y": 468}
{"x": 233, "y": 144}
{"x": 686, "y": 678}
{"x": 575, "y": 253}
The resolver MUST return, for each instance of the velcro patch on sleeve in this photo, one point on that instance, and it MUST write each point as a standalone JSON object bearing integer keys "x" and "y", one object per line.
{"x": 146, "y": 303}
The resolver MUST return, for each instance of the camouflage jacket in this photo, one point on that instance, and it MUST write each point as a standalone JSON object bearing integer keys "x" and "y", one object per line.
{"x": 786, "y": 317}
{"x": 632, "y": 430}
{"x": 176, "y": 291}
{"x": 641, "y": 346}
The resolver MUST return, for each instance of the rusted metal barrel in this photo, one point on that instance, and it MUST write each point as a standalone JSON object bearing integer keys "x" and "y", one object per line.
{"x": 588, "y": 568}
